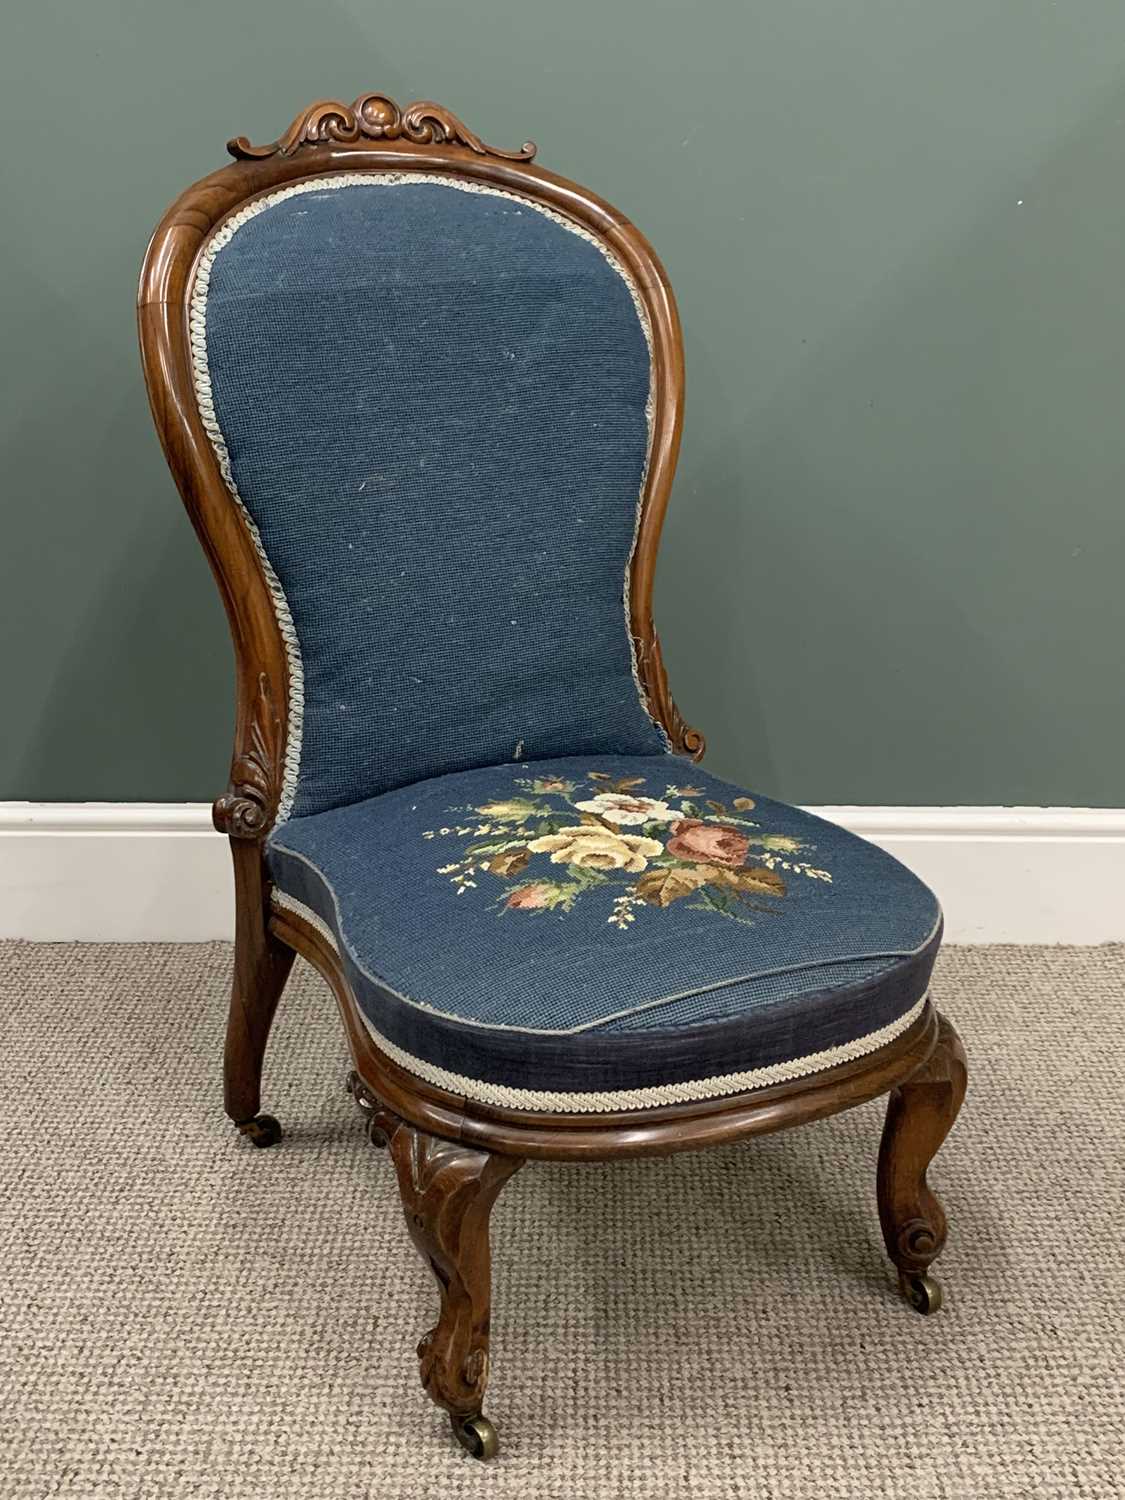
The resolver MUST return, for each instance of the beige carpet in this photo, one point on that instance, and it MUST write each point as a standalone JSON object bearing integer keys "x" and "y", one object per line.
{"x": 184, "y": 1316}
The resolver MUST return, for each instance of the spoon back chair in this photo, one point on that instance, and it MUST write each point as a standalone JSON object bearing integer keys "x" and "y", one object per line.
{"x": 422, "y": 400}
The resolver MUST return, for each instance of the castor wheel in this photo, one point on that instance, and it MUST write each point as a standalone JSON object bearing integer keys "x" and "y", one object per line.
{"x": 476, "y": 1435}
{"x": 922, "y": 1292}
{"x": 263, "y": 1130}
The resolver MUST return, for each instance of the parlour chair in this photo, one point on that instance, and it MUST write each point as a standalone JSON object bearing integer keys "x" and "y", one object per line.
{"x": 422, "y": 400}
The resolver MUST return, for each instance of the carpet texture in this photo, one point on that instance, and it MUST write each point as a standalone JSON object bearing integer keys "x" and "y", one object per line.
{"x": 185, "y": 1316}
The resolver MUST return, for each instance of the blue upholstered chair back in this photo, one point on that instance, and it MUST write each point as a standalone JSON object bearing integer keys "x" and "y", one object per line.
{"x": 432, "y": 400}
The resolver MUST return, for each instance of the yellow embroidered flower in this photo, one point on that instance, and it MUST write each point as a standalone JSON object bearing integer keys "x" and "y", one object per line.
{"x": 620, "y": 808}
{"x": 594, "y": 848}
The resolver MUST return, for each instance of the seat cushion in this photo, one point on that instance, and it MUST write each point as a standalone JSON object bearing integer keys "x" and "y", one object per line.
{"x": 609, "y": 933}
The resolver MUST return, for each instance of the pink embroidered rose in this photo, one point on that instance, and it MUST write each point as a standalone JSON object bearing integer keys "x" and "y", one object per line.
{"x": 708, "y": 843}
{"x": 531, "y": 897}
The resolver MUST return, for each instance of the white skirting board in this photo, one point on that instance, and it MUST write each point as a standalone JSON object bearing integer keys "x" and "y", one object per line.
{"x": 145, "y": 872}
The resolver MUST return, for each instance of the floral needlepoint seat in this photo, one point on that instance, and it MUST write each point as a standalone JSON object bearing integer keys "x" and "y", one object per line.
{"x": 423, "y": 402}
{"x": 598, "y": 933}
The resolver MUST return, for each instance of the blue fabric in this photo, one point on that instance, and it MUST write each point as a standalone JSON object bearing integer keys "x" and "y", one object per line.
{"x": 597, "y": 922}
{"x": 434, "y": 404}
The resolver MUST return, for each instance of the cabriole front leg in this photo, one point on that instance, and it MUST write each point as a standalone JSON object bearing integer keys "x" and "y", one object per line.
{"x": 920, "y": 1115}
{"x": 447, "y": 1193}
{"x": 261, "y": 967}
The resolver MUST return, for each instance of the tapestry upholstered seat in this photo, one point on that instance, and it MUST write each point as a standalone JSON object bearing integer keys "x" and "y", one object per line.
{"x": 599, "y": 933}
{"x": 423, "y": 402}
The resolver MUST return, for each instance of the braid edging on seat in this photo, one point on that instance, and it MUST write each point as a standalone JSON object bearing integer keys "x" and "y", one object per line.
{"x": 505, "y": 1096}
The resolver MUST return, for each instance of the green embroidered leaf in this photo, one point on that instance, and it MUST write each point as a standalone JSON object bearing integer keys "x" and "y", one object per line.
{"x": 716, "y": 897}
{"x": 724, "y": 903}
{"x": 510, "y": 810}
{"x": 551, "y": 825}
{"x": 781, "y": 843}
{"x": 564, "y": 893}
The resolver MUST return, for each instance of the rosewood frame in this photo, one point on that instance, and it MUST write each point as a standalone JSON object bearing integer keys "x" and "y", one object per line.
{"x": 453, "y": 1155}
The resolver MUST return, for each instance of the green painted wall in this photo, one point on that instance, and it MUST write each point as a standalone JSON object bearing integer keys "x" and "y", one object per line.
{"x": 893, "y": 568}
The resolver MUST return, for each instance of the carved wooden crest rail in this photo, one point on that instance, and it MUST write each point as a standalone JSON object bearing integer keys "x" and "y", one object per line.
{"x": 377, "y": 118}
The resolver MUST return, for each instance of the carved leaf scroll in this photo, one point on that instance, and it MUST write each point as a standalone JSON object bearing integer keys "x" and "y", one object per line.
{"x": 246, "y": 807}
{"x": 375, "y": 117}
{"x": 920, "y": 1115}
{"x": 447, "y": 1191}
{"x": 650, "y": 662}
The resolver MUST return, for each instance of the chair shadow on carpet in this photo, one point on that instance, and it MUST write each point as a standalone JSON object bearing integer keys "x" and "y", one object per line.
{"x": 663, "y": 1257}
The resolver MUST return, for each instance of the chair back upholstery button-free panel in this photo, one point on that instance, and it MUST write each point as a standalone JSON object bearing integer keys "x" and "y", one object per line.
{"x": 432, "y": 397}
{"x": 423, "y": 400}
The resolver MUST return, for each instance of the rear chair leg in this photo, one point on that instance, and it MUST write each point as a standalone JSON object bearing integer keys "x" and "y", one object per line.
{"x": 920, "y": 1115}
{"x": 261, "y": 967}
{"x": 447, "y": 1192}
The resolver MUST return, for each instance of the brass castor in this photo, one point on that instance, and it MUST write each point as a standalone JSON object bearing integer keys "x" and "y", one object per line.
{"x": 922, "y": 1292}
{"x": 476, "y": 1435}
{"x": 263, "y": 1130}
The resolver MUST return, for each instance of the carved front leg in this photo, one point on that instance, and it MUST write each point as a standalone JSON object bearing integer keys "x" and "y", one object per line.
{"x": 261, "y": 963}
{"x": 920, "y": 1115}
{"x": 261, "y": 967}
{"x": 447, "y": 1192}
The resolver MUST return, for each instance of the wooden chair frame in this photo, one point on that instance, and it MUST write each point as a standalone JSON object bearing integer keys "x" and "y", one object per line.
{"x": 453, "y": 1155}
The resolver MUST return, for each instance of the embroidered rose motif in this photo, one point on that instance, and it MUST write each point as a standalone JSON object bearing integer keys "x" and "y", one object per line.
{"x": 708, "y": 843}
{"x": 620, "y": 808}
{"x": 687, "y": 850}
{"x": 531, "y": 897}
{"x": 595, "y": 848}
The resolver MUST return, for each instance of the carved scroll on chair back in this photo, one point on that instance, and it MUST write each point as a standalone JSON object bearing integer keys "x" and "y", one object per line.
{"x": 453, "y": 1153}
